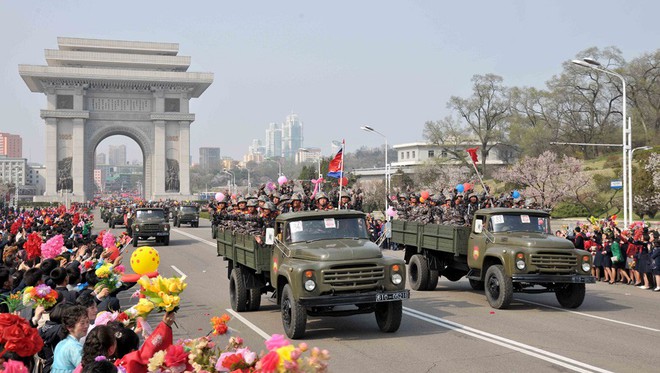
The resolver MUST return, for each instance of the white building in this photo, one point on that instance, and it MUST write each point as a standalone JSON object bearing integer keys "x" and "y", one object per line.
{"x": 292, "y": 136}
{"x": 13, "y": 171}
{"x": 304, "y": 155}
{"x": 36, "y": 178}
{"x": 274, "y": 140}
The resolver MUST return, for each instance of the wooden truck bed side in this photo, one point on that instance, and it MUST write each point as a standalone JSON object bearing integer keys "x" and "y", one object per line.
{"x": 446, "y": 238}
{"x": 243, "y": 249}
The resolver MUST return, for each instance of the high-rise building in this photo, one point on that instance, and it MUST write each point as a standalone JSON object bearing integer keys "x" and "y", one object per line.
{"x": 257, "y": 147}
{"x": 11, "y": 146}
{"x": 274, "y": 140}
{"x": 100, "y": 158}
{"x": 292, "y": 136}
{"x": 209, "y": 158}
{"x": 117, "y": 155}
{"x": 13, "y": 170}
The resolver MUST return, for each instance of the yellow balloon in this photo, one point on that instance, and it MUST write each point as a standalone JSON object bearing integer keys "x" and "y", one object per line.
{"x": 144, "y": 260}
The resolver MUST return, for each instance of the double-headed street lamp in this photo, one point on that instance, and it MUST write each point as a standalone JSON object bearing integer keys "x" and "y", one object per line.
{"x": 318, "y": 159}
{"x": 595, "y": 65}
{"x": 232, "y": 181}
{"x": 387, "y": 168}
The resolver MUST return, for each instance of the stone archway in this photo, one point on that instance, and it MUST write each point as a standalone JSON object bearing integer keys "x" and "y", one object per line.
{"x": 99, "y": 88}
{"x": 99, "y": 132}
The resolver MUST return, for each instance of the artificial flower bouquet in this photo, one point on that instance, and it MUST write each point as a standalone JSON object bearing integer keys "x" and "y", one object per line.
{"x": 163, "y": 293}
{"x": 109, "y": 276}
{"x": 40, "y": 295}
{"x": 14, "y": 302}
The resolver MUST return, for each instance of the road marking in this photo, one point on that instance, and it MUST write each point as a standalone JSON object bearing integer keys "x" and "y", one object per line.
{"x": 250, "y": 325}
{"x": 588, "y": 315}
{"x": 505, "y": 342}
{"x": 178, "y": 271}
{"x": 236, "y": 315}
{"x": 210, "y": 243}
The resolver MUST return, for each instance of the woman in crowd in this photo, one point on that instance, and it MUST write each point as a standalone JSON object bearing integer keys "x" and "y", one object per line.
{"x": 655, "y": 256}
{"x": 100, "y": 341}
{"x": 68, "y": 352}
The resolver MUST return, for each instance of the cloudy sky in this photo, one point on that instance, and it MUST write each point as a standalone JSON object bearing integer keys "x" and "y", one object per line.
{"x": 338, "y": 64}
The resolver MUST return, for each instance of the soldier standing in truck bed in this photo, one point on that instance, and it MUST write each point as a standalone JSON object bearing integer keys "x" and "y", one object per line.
{"x": 435, "y": 210}
{"x": 472, "y": 206}
{"x": 268, "y": 215}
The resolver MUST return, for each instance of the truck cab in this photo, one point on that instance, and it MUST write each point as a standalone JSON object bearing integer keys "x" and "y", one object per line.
{"x": 186, "y": 214}
{"x": 151, "y": 222}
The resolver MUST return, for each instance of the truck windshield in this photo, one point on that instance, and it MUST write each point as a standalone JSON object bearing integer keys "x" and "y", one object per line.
{"x": 326, "y": 229}
{"x": 519, "y": 223}
{"x": 189, "y": 210}
{"x": 150, "y": 214}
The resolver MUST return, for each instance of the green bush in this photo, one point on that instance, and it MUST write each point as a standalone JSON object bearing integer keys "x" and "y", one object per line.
{"x": 569, "y": 210}
{"x": 204, "y": 214}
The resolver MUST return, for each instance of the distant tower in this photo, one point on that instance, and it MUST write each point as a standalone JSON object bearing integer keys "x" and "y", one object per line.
{"x": 11, "y": 146}
{"x": 100, "y": 158}
{"x": 117, "y": 155}
{"x": 292, "y": 136}
{"x": 274, "y": 140}
{"x": 209, "y": 158}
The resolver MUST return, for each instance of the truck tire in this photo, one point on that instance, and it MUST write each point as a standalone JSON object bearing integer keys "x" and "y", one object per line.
{"x": 571, "y": 296}
{"x": 294, "y": 316}
{"x": 418, "y": 272}
{"x": 476, "y": 285}
{"x": 499, "y": 287}
{"x": 214, "y": 233}
{"x": 166, "y": 241}
{"x": 238, "y": 294}
{"x": 434, "y": 276}
{"x": 135, "y": 241}
{"x": 388, "y": 316}
{"x": 254, "y": 299}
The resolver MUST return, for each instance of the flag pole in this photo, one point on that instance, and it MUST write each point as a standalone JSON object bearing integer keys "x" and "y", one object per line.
{"x": 341, "y": 172}
{"x": 480, "y": 179}
{"x": 474, "y": 158}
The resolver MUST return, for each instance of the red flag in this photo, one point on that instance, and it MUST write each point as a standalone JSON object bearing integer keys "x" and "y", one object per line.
{"x": 473, "y": 154}
{"x": 335, "y": 166}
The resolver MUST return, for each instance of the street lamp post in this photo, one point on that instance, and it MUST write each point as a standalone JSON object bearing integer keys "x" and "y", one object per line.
{"x": 630, "y": 192}
{"x": 279, "y": 165}
{"x": 387, "y": 169}
{"x": 232, "y": 181}
{"x": 595, "y": 65}
{"x": 318, "y": 160}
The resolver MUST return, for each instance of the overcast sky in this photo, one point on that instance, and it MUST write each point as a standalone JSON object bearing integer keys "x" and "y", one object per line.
{"x": 338, "y": 64}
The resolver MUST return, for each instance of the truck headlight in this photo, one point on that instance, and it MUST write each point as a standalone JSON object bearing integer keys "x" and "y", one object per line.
{"x": 520, "y": 261}
{"x": 310, "y": 285}
{"x": 586, "y": 264}
{"x": 396, "y": 278}
{"x": 167, "y": 228}
{"x": 137, "y": 229}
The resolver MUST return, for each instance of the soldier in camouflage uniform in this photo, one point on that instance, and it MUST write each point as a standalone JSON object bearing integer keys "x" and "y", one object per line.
{"x": 435, "y": 210}
{"x": 472, "y": 206}
{"x": 401, "y": 206}
{"x": 345, "y": 201}
{"x": 296, "y": 203}
{"x": 268, "y": 215}
{"x": 322, "y": 202}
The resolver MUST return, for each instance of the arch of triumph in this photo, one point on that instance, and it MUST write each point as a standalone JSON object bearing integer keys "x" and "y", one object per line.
{"x": 99, "y": 88}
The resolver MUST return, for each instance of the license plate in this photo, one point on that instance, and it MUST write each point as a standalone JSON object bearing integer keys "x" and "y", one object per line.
{"x": 162, "y": 234}
{"x": 386, "y": 297}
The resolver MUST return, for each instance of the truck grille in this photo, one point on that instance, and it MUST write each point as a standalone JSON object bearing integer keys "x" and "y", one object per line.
{"x": 150, "y": 228}
{"x": 353, "y": 277}
{"x": 554, "y": 262}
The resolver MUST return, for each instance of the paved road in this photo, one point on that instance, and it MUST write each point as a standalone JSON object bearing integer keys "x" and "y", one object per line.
{"x": 617, "y": 328}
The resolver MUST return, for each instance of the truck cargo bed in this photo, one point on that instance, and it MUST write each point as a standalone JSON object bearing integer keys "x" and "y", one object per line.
{"x": 446, "y": 238}
{"x": 243, "y": 249}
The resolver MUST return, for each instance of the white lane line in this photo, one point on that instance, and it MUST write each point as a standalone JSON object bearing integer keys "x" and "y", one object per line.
{"x": 236, "y": 315}
{"x": 588, "y": 315}
{"x": 178, "y": 271}
{"x": 210, "y": 243}
{"x": 505, "y": 342}
{"x": 250, "y": 325}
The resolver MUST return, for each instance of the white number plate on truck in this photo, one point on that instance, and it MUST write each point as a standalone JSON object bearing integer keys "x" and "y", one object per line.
{"x": 386, "y": 297}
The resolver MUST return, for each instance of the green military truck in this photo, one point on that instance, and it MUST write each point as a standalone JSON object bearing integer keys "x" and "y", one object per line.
{"x": 186, "y": 214}
{"x": 505, "y": 251}
{"x": 316, "y": 263}
{"x": 151, "y": 222}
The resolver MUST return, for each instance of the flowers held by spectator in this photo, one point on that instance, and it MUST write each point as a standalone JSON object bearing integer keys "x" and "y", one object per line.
{"x": 16, "y": 335}
{"x": 40, "y": 295}
{"x": 144, "y": 307}
{"x": 14, "y": 366}
{"x": 220, "y": 324}
{"x": 33, "y": 246}
{"x": 162, "y": 292}
{"x": 14, "y": 302}
{"x": 53, "y": 247}
{"x": 109, "y": 276}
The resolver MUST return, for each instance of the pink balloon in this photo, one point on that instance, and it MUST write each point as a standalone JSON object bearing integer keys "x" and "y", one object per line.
{"x": 219, "y": 197}
{"x": 392, "y": 198}
{"x": 281, "y": 180}
{"x": 270, "y": 185}
{"x": 233, "y": 196}
{"x": 391, "y": 212}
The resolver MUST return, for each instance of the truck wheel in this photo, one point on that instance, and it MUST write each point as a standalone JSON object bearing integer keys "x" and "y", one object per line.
{"x": 571, "y": 296}
{"x": 214, "y": 233}
{"x": 434, "y": 276}
{"x": 166, "y": 241}
{"x": 294, "y": 316}
{"x": 254, "y": 301}
{"x": 476, "y": 284}
{"x": 238, "y": 294}
{"x": 388, "y": 316}
{"x": 109, "y": 225}
{"x": 499, "y": 287}
{"x": 135, "y": 241}
{"x": 418, "y": 272}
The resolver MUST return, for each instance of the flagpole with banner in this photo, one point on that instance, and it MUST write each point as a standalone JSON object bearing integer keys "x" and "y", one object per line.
{"x": 475, "y": 159}
{"x": 341, "y": 172}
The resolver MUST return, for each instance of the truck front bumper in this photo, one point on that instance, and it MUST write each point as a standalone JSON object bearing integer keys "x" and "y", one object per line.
{"x": 560, "y": 279}
{"x": 354, "y": 298}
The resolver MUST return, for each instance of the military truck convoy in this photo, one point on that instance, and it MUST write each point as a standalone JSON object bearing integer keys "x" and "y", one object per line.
{"x": 151, "y": 222}
{"x": 186, "y": 214}
{"x": 315, "y": 263}
{"x": 505, "y": 251}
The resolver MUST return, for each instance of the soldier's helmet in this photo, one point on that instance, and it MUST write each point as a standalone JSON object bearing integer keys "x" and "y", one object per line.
{"x": 275, "y": 195}
{"x": 251, "y": 196}
{"x": 403, "y": 196}
{"x": 344, "y": 194}
{"x": 241, "y": 200}
{"x": 473, "y": 195}
{"x": 284, "y": 198}
{"x": 320, "y": 196}
{"x": 296, "y": 197}
{"x": 262, "y": 198}
{"x": 252, "y": 202}
{"x": 269, "y": 206}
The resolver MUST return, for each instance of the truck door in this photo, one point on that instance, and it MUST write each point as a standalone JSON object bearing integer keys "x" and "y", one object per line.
{"x": 278, "y": 251}
{"x": 478, "y": 242}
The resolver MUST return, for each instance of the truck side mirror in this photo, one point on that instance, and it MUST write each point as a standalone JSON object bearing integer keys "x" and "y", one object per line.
{"x": 270, "y": 236}
{"x": 478, "y": 226}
